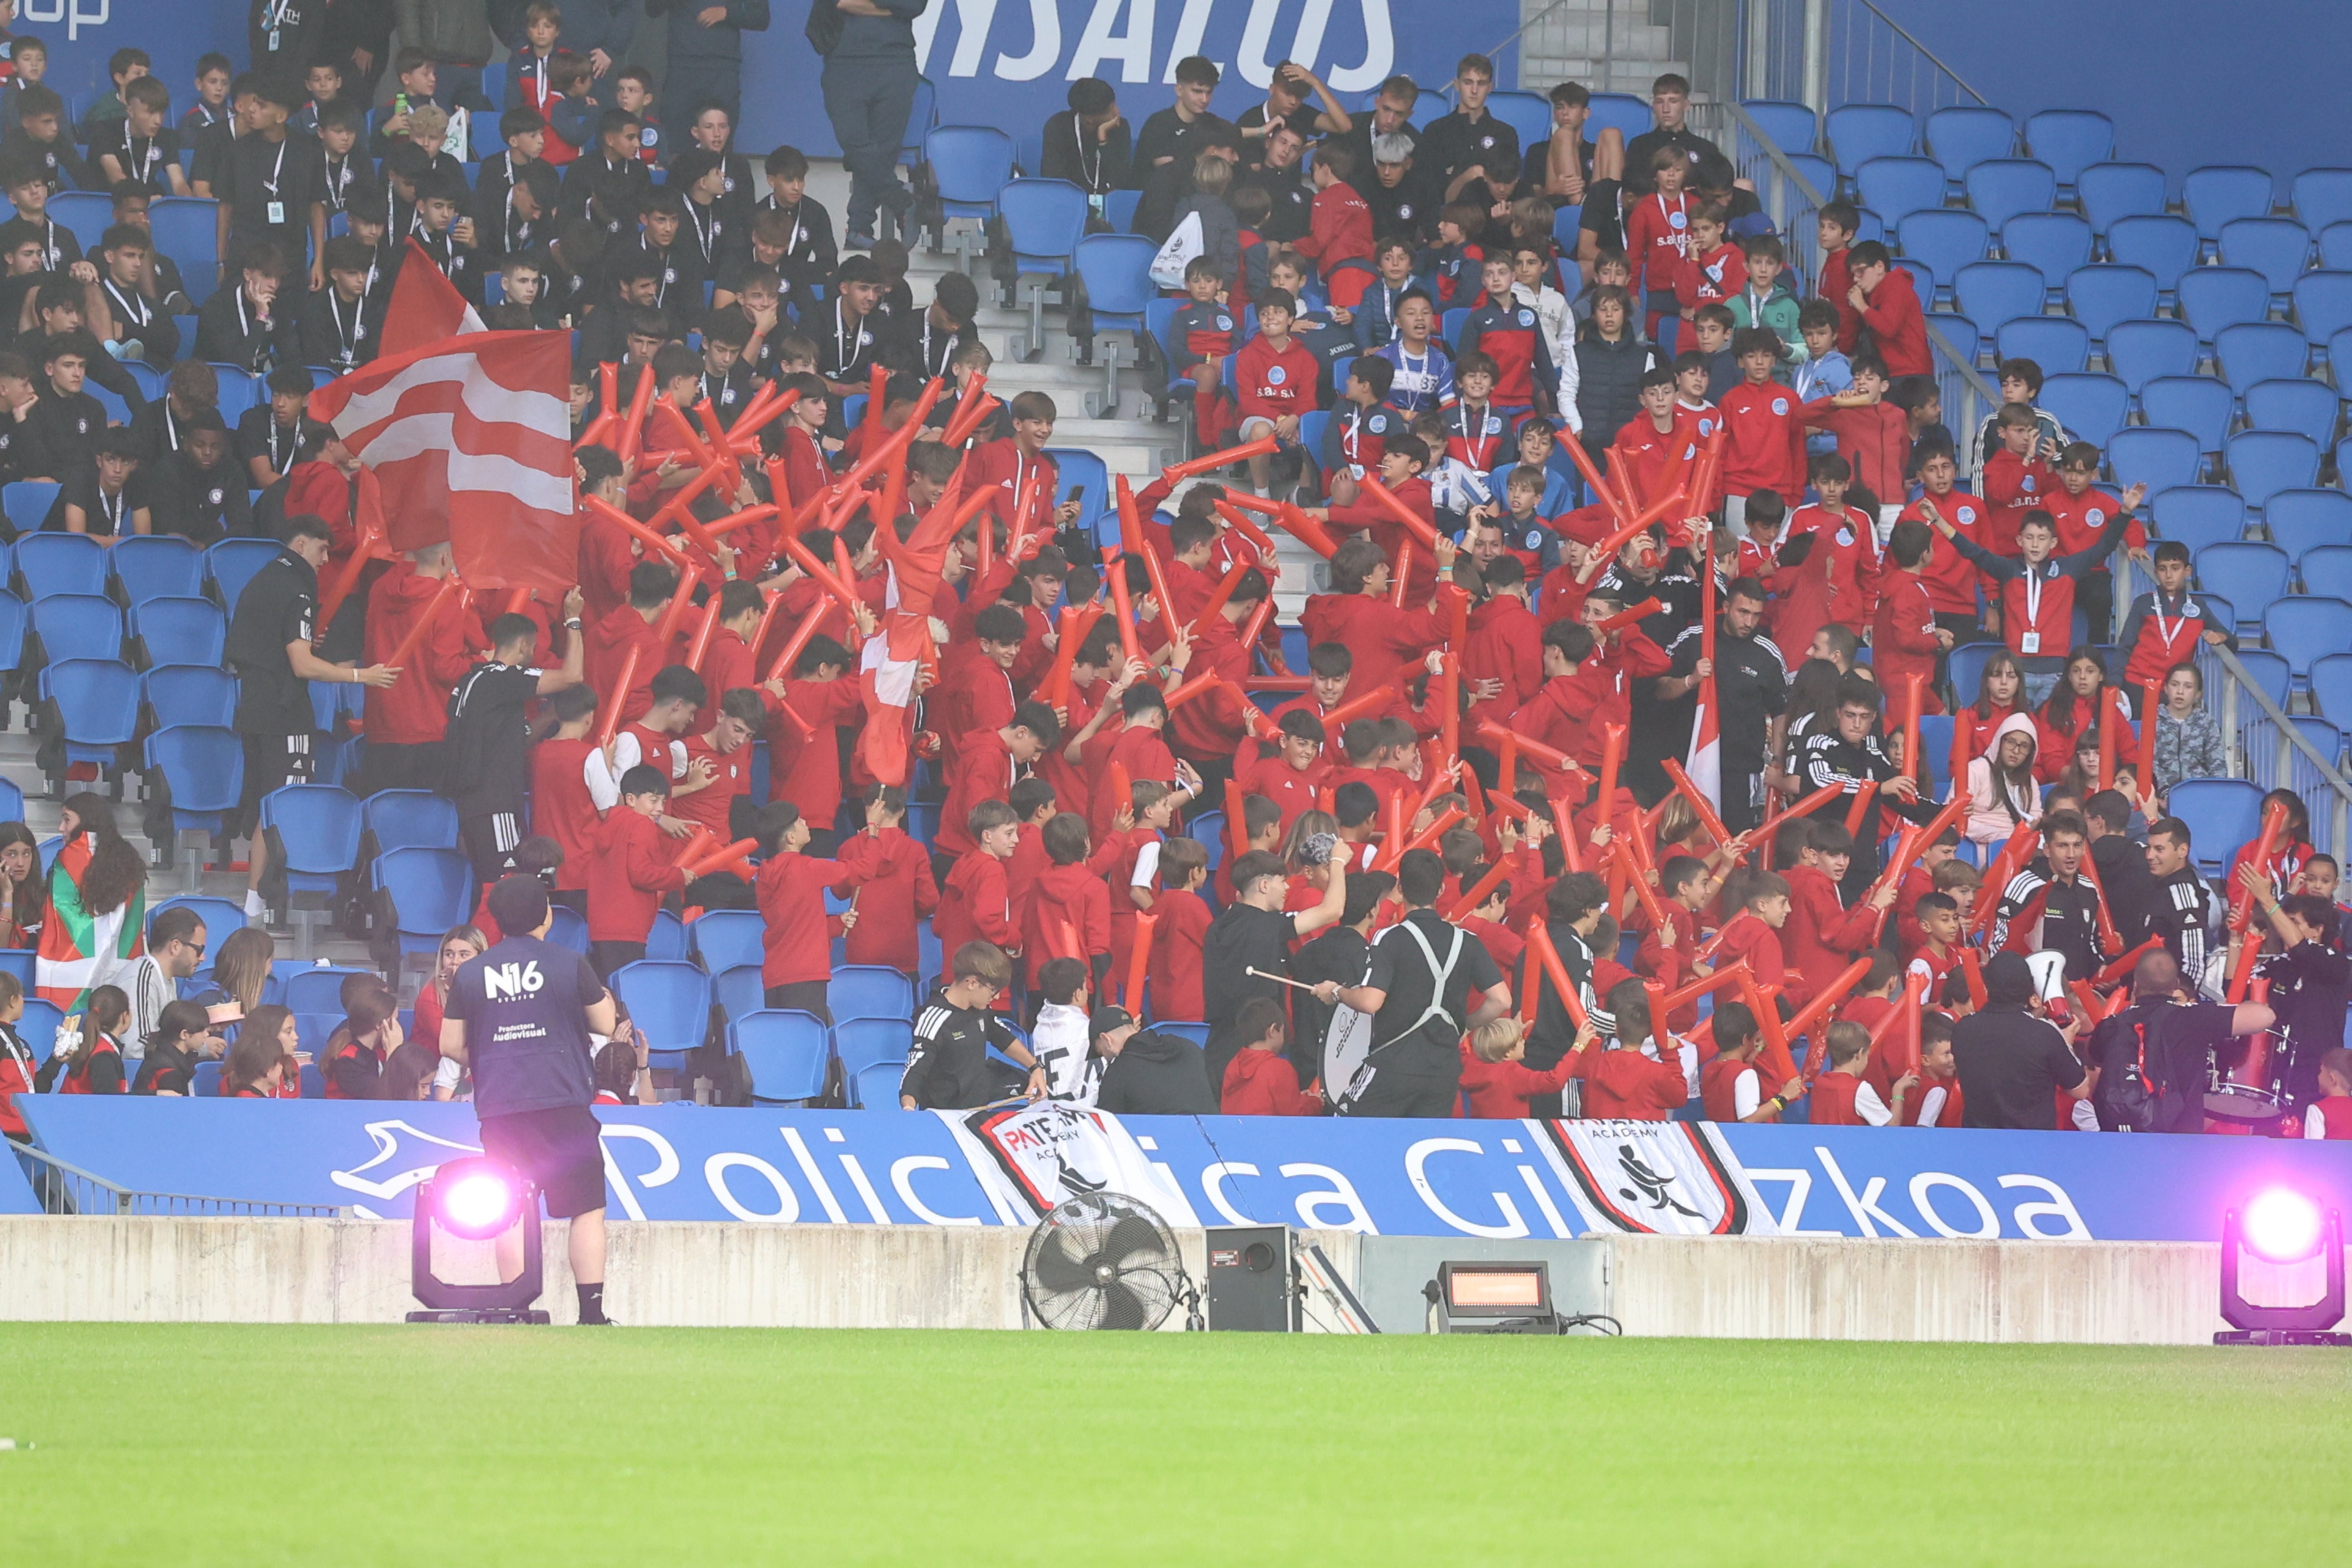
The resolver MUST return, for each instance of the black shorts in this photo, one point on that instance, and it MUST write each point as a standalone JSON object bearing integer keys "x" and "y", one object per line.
{"x": 490, "y": 841}
{"x": 273, "y": 761}
{"x": 558, "y": 1149}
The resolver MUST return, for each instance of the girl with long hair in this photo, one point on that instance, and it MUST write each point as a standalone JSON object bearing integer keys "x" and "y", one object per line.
{"x": 2080, "y": 704}
{"x": 2001, "y": 691}
{"x": 460, "y": 945}
{"x": 96, "y": 904}
{"x": 91, "y": 1062}
{"x": 24, "y": 892}
{"x": 270, "y": 1027}
{"x": 241, "y": 967}
{"x": 2187, "y": 741}
{"x": 2001, "y": 790}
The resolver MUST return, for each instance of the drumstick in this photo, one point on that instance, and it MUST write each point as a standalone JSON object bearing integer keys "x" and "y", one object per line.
{"x": 1279, "y": 979}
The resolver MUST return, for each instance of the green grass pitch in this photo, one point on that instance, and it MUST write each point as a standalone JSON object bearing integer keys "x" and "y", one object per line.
{"x": 408, "y": 1447}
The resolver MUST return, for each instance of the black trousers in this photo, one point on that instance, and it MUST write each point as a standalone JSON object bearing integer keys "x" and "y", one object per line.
{"x": 608, "y": 956}
{"x": 1740, "y": 792}
{"x": 1393, "y": 1094}
{"x": 801, "y": 996}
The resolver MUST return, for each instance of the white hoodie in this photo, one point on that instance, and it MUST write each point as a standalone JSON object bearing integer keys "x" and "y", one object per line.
{"x": 1062, "y": 1043}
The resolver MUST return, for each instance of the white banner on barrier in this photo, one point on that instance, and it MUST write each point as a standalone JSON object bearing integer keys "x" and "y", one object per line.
{"x": 1029, "y": 1158}
{"x": 1665, "y": 1178}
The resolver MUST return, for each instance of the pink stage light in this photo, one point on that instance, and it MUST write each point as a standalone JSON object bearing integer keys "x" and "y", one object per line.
{"x": 2282, "y": 1226}
{"x": 480, "y": 1204}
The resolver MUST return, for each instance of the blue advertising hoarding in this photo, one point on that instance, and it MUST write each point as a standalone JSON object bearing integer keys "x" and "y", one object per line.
{"x": 1009, "y": 63}
{"x": 1492, "y": 1178}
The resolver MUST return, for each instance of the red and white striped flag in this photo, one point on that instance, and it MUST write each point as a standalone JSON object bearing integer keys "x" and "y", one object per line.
{"x": 425, "y": 307}
{"x": 471, "y": 440}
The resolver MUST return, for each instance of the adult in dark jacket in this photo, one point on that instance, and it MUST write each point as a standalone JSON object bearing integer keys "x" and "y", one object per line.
{"x": 358, "y": 31}
{"x": 1155, "y": 1075}
{"x": 1608, "y": 369}
{"x": 456, "y": 34}
{"x": 705, "y": 52}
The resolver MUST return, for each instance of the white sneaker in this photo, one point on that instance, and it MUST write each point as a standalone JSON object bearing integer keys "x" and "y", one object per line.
{"x": 255, "y": 909}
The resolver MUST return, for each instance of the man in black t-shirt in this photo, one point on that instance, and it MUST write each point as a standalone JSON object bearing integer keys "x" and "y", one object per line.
{"x": 268, "y": 647}
{"x": 1751, "y": 689}
{"x": 1430, "y": 983}
{"x": 2013, "y": 1063}
{"x": 524, "y": 1018}
{"x": 1254, "y": 933}
{"x": 264, "y": 185}
{"x": 1343, "y": 953}
{"x": 2166, "y": 1039}
{"x": 948, "y": 1064}
{"x": 486, "y": 749}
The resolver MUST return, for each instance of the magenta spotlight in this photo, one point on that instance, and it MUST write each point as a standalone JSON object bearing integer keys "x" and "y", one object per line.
{"x": 2281, "y": 1225}
{"x": 475, "y": 1199}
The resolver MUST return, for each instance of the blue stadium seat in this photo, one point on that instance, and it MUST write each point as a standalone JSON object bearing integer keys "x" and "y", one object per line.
{"x": 191, "y": 694}
{"x": 1529, "y": 113}
{"x": 667, "y": 938}
{"x": 1943, "y": 239}
{"x": 1959, "y": 331}
{"x": 2198, "y": 515}
{"x": 2322, "y": 305}
{"x": 862, "y": 1043}
{"x": 785, "y": 1052}
{"x": 2277, "y": 248}
{"x": 204, "y": 767}
{"x": 431, "y": 890}
{"x": 26, "y": 502}
{"x": 15, "y": 619}
{"x": 1793, "y": 126}
{"x": 723, "y": 939}
{"x": 2308, "y": 408}
{"x": 2164, "y": 245}
{"x": 1117, "y": 271}
{"x": 221, "y": 916}
{"x": 2093, "y": 407}
{"x": 2070, "y": 141}
{"x": 60, "y": 563}
{"x": 869, "y": 991}
{"x": 1992, "y": 292}
{"x": 2216, "y": 297}
{"x": 2053, "y": 244}
{"x": 318, "y": 828}
{"x": 1044, "y": 221}
{"x": 1894, "y": 188}
{"x": 1923, "y": 276}
{"x": 2327, "y": 573}
{"x": 972, "y": 164}
{"x": 12, "y": 809}
{"x": 156, "y": 566}
{"x": 77, "y": 626}
{"x": 2244, "y": 573}
{"x": 2220, "y": 814}
{"x": 180, "y": 631}
{"x": 2336, "y": 246}
{"x": 2056, "y": 343}
{"x": 2304, "y": 521}
{"x": 2104, "y": 295}
{"x": 98, "y": 706}
{"x": 739, "y": 991}
{"x": 2264, "y": 462}
{"x": 2254, "y": 351}
{"x": 1449, "y": 327}
{"x": 2004, "y": 188}
{"x": 1192, "y": 1030}
{"x": 204, "y": 1083}
{"x": 1118, "y": 211}
{"x": 921, "y": 116}
{"x": 570, "y": 929}
{"x": 669, "y": 1001}
{"x": 2139, "y": 351}
{"x": 2197, "y": 404}
{"x": 320, "y": 987}
{"x": 876, "y": 1088}
{"x": 2155, "y": 457}
{"x": 186, "y": 230}
{"x": 2221, "y": 193}
{"x": 1629, "y": 114}
{"x": 87, "y": 213}
{"x": 239, "y": 391}
{"x": 1857, "y": 132}
{"x": 231, "y": 562}
{"x": 2304, "y": 627}
{"x": 409, "y": 819}
{"x": 2323, "y": 196}
{"x": 1961, "y": 137}
{"x": 1208, "y": 830}
{"x": 2331, "y": 685}
{"x": 2112, "y": 192}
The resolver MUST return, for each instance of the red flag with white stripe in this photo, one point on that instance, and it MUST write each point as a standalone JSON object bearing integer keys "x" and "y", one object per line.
{"x": 471, "y": 440}
{"x": 425, "y": 307}
{"x": 892, "y": 658}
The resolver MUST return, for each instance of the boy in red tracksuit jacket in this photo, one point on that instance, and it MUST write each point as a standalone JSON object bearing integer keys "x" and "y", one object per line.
{"x": 1182, "y": 923}
{"x": 807, "y": 770}
{"x": 561, "y": 806}
{"x": 976, "y": 901}
{"x": 1856, "y": 565}
{"x": 1288, "y": 779}
{"x": 1715, "y": 269}
{"x": 1401, "y": 469}
{"x": 1873, "y": 435}
{"x": 1840, "y": 1097}
{"x": 1952, "y": 580}
{"x": 2016, "y": 479}
{"x": 1905, "y": 639}
{"x": 2037, "y": 593}
{"x": 1357, "y": 614}
{"x": 1883, "y": 294}
{"x": 1260, "y": 1079}
{"x": 1763, "y": 422}
{"x": 634, "y": 865}
{"x": 800, "y": 450}
{"x": 1657, "y": 238}
{"x": 1754, "y": 934}
{"x": 1821, "y": 936}
{"x": 1671, "y": 957}
{"x": 1273, "y": 380}
{"x": 1495, "y": 1074}
{"x": 2164, "y": 626}
{"x": 1621, "y": 1084}
{"x": 1565, "y": 715}
{"x": 1068, "y": 907}
{"x": 2080, "y": 509}
{"x": 796, "y": 956}
{"x": 895, "y": 889}
{"x": 407, "y": 720}
{"x": 1341, "y": 225}
{"x": 1506, "y": 644}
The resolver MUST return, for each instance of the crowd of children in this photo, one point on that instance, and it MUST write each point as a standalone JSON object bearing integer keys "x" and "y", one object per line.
{"x": 1492, "y": 645}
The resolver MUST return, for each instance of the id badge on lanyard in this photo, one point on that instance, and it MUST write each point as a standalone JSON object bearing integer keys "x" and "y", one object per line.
{"x": 2029, "y": 641}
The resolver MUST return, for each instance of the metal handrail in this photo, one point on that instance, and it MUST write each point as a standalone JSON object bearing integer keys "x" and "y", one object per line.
{"x": 1932, "y": 58}
{"x": 66, "y": 1188}
{"x": 2289, "y": 731}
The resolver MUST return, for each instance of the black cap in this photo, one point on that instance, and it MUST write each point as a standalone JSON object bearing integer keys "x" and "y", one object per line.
{"x": 1103, "y": 1020}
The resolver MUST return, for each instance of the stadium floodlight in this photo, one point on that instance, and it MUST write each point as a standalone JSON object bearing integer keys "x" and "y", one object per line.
{"x": 2281, "y": 1225}
{"x": 475, "y": 1199}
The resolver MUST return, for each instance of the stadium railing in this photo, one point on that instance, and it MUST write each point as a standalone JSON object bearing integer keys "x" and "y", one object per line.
{"x": 2271, "y": 749}
{"x": 68, "y": 1189}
